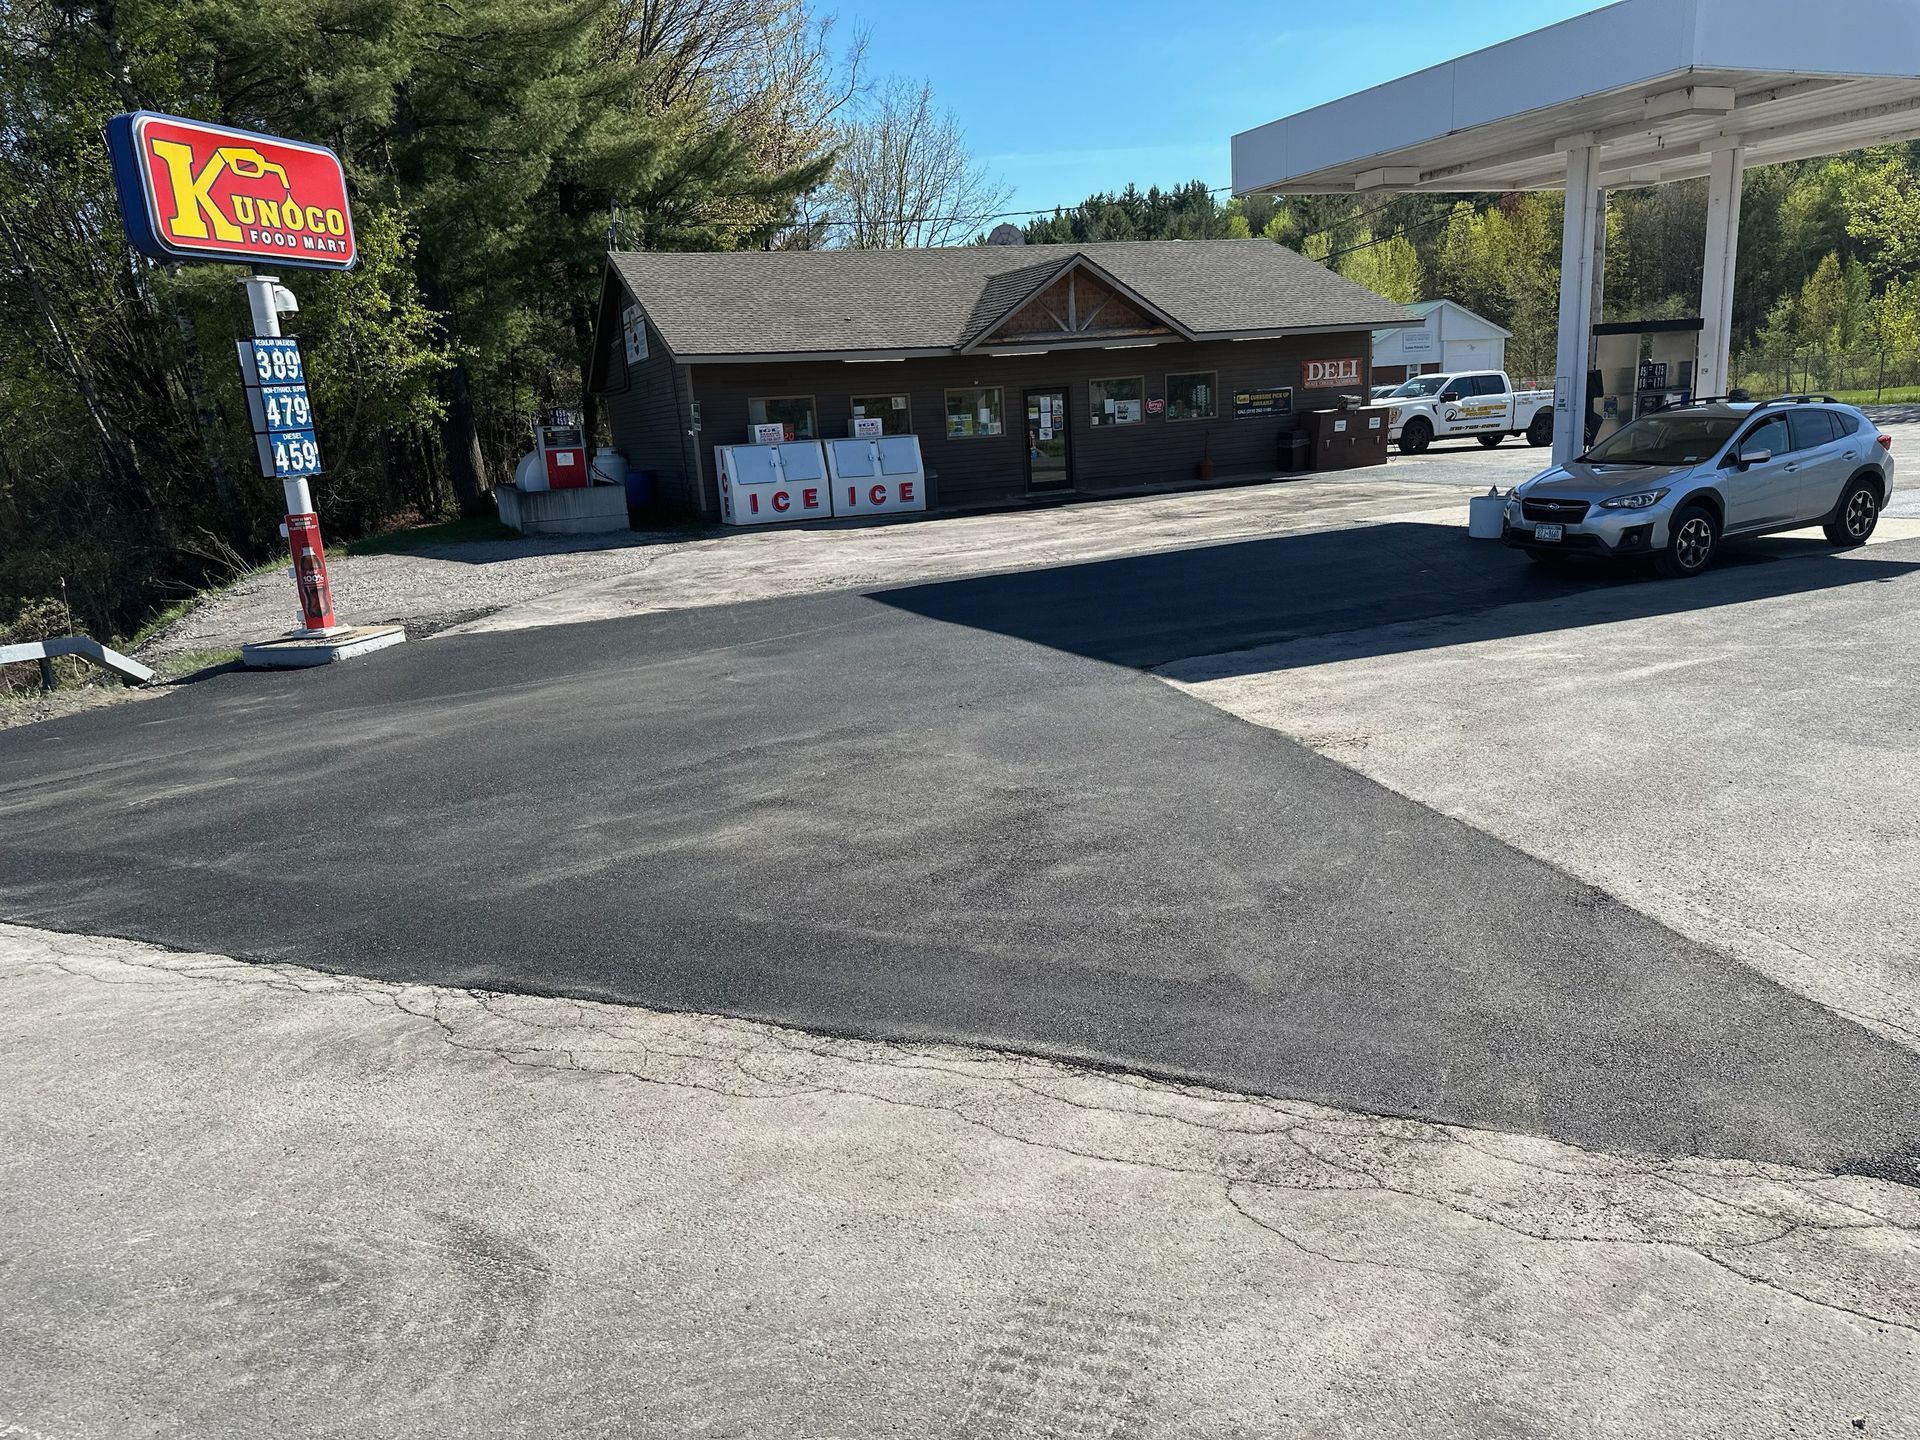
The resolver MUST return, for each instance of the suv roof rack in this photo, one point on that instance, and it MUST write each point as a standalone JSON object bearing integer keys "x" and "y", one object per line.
{"x": 1801, "y": 400}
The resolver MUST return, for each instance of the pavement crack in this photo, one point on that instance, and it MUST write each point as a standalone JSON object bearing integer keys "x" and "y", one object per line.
{"x": 1746, "y": 1218}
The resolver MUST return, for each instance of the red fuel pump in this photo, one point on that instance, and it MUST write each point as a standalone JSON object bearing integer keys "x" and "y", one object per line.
{"x": 563, "y": 451}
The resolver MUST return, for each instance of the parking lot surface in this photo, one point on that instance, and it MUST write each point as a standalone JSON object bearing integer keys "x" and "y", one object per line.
{"x": 890, "y": 996}
{"x": 1747, "y": 771}
{"x": 521, "y": 583}
{"x": 960, "y": 811}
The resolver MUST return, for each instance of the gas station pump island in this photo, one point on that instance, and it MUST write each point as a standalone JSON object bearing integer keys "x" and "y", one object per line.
{"x": 190, "y": 191}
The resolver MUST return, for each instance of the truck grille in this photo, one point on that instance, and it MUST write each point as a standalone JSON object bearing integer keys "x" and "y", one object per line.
{"x": 1565, "y": 512}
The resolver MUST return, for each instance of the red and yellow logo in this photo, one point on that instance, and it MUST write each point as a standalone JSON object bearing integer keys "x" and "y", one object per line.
{"x": 193, "y": 191}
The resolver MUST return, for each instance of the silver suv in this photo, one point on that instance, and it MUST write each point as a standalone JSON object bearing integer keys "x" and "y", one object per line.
{"x": 1673, "y": 485}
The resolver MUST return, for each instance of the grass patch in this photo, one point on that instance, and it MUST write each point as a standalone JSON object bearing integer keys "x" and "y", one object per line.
{"x": 181, "y": 608}
{"x": 469, "y": 530}
{"x": 192, "y": 662}
{"x": 1892, "y": 395}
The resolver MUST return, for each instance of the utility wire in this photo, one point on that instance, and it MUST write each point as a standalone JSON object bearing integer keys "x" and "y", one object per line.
{"x": 1346, "y": 222}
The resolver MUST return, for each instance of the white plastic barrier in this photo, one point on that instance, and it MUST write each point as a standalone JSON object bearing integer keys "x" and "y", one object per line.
{"x": 772, "y": 484}
{"x": 872, "y": 476}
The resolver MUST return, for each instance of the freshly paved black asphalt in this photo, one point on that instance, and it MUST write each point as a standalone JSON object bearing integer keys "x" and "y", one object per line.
{"x": 947, "y": 812}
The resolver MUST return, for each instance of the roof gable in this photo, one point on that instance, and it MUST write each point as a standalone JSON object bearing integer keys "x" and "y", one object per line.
{"x": 1076, "y": 303}
{"x": 753, "y": 305}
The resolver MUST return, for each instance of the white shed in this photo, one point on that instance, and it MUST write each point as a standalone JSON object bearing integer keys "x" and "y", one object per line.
{"x": 1452, "y": 338}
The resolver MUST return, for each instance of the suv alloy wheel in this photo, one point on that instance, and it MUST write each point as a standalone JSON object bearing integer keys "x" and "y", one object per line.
{"x": 1858, "y": 513}
{"x": 1691, "y": 541}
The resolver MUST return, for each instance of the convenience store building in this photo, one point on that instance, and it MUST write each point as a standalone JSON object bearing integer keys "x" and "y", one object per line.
{"x": 1026, "y": 371}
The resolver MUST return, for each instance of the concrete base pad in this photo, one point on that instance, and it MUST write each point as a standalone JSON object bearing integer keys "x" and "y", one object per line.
{"x": 299, "y": 650}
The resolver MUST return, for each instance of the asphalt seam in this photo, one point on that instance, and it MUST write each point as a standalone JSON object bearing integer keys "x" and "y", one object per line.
{"x": 1319, "y": 1143}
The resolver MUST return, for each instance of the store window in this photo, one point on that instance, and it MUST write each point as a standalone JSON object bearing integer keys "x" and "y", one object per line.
{"x": 892, "y": 411}
{"x": 1118, "y": 402}
{"x": 1190, "y": 397}
{"x": 795, "y": 412}
{"x": 974, "y": 413}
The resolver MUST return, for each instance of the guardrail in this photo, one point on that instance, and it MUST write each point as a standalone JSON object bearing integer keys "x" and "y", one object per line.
{"x": 46, "y": 651}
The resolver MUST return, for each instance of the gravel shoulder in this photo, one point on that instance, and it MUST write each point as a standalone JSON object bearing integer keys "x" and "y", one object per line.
{"x": 513, "y": 584}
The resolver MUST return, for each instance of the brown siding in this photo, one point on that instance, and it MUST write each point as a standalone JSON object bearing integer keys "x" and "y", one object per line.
{"x": 993, "y": 470}
{"x": 646, "y": 406}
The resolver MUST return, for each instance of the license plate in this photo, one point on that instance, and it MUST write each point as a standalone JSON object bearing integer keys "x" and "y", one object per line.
{"x": 1549, "y": 532}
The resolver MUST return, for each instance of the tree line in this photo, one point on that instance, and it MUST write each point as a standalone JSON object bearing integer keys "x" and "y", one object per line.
{"x": 1828, "y": 292}
{"x": 494, "y": 149}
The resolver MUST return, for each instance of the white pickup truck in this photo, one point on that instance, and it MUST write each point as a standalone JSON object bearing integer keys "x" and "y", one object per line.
{"x": 1481, "y": 403}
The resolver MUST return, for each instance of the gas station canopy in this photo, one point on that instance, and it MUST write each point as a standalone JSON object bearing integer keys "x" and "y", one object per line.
{"x": 1657, "y": 85}
{"x": 1639, "y": 93}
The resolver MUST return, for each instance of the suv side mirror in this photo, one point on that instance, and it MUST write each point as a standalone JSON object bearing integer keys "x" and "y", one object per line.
{"x": 1754, "y": 457}
{"x": 1449, "y": 394}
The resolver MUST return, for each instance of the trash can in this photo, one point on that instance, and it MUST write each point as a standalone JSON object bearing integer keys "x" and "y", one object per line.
{"x": 639, "y": 493}
{"x": 1295, "y": 447}
{"x": 1485, "y": 515}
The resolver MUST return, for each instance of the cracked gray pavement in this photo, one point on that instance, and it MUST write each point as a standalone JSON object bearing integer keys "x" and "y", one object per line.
{"x": 423, "y": 1211}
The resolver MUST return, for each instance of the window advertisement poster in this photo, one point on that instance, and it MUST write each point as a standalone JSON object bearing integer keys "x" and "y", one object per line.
{"x": 1268, "y": 400}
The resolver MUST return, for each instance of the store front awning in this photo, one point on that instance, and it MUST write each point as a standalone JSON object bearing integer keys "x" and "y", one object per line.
{"x": 1658, "y": 85}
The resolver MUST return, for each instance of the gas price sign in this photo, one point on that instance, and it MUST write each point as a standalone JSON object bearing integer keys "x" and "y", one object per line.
{"x": 282, "y": 414}
{"x": 285, "y": 407}
{"x": 294, "y": 453}
{"x": 272, "y": 362}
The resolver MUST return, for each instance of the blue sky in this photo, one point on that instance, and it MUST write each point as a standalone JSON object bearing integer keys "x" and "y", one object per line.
{"x": 1065, "y": 97}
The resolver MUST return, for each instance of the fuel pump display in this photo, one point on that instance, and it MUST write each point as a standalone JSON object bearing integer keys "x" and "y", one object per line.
{"x": 563, "y": 450}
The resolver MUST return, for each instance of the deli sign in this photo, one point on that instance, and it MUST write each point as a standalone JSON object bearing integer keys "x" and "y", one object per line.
{"x": 1331, "y": 374}
{"x": 193, "y": 191}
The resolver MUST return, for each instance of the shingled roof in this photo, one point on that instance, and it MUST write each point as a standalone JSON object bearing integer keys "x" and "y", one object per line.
{"x": 750, "y": 304}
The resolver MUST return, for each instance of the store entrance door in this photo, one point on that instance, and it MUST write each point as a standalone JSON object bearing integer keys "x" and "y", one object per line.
{"x": 1049, "y": 448}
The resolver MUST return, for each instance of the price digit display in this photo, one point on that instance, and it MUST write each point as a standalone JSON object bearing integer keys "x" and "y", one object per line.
{"x": 277, "y": 362}
{"x": 294, "y": 453}
{"x": 286, "y": 407}
{"x": 281, "y": 409}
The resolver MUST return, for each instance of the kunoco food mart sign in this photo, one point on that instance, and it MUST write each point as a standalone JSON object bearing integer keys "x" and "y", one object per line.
{"x": 193, "y": 191}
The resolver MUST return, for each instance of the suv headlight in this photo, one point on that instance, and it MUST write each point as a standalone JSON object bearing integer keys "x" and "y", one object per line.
{"x": 1640, "y": 500}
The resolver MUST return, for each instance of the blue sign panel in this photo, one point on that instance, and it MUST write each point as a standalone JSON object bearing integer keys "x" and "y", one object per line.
{"x": 274, "y": 362}
{"x": 285, "y": 407}
{"x": 293, "y": 453}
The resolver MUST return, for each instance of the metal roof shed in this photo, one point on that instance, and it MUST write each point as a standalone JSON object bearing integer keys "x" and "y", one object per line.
{"x": 1638, "y": 93}
{"x": 1449, "y": 335}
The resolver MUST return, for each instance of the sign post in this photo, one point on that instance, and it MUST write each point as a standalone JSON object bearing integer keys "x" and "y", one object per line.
{"x": 275, "y": 375}
{"x": 193, "y": 191}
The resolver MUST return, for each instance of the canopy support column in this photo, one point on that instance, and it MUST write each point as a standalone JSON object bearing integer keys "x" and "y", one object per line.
{"x": 1577, "y": 251}
{"x": 1724, "y": 185}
